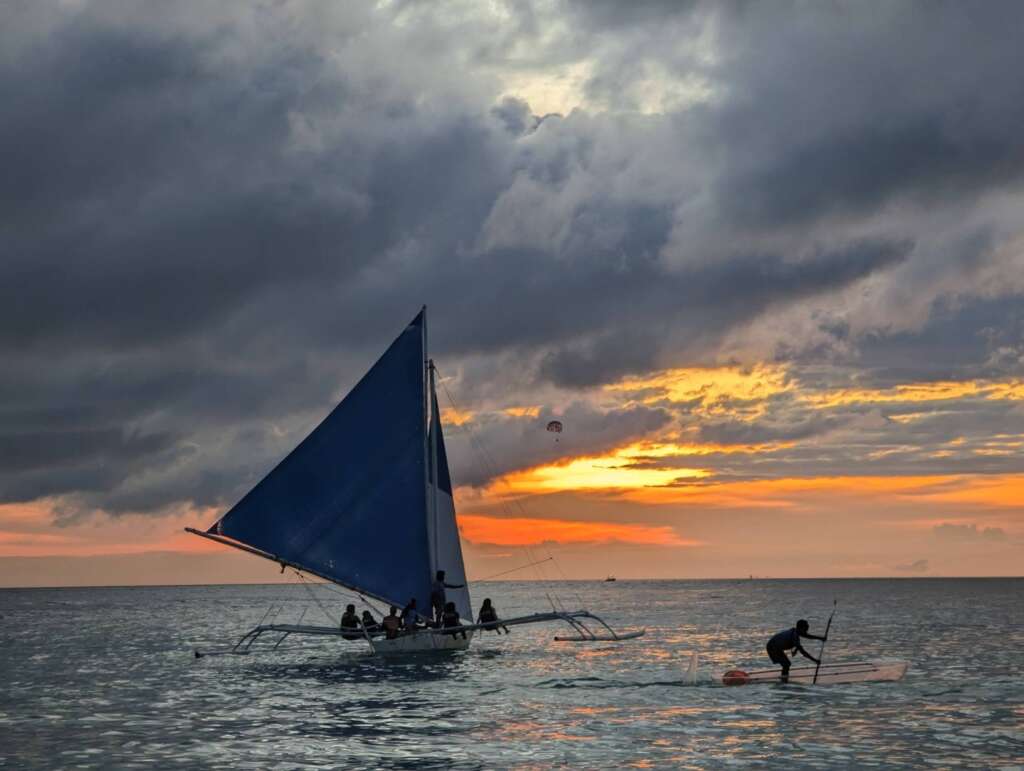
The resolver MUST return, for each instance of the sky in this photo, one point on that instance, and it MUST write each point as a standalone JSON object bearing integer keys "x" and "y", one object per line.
{"x": 764, "y": 261}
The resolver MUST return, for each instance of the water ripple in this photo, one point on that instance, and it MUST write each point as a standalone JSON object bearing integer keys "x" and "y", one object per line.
{"x": 100, "y": 678}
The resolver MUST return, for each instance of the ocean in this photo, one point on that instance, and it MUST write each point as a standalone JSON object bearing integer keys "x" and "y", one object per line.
{"x": 107, "y": 678}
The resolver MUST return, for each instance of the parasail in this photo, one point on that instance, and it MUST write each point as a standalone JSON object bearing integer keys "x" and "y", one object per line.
{"x": 555, "y": 426}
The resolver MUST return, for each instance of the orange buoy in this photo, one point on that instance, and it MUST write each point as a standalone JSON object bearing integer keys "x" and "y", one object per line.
{"x": 735, "y": 677}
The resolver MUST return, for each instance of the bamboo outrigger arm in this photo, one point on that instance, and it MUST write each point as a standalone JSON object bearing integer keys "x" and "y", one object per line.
{"x": 574, "y": 618}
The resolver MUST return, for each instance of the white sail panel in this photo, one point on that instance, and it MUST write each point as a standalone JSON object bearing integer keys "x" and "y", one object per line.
{"x": 445, "y": 547}
{"x": 449, "y": 555}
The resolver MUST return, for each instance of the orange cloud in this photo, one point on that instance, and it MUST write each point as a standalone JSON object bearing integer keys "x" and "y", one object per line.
{"x": 523, "y": 531}
{"x": 613, "y": 471}
{"x": 455, "y": 417}
{"x": 711, "y": 385}
{"x": 998, "y": 491}
{"x": 28, "y": 530}
{"x": 621, "y": 469}
{"x": 522, "y": 412}
{"x": 920, "y": 392}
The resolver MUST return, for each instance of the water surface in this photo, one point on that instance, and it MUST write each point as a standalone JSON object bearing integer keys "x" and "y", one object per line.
{"x": 102, "y": 678}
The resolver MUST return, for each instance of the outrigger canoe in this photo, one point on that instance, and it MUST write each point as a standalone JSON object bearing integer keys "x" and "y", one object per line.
{"x": 827, "y": 674}
{"x": 366, "y": 502}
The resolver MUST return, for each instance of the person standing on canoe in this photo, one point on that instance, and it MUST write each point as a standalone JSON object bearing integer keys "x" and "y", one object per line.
{"x": 789, "y": 639}
{"x": 438, "y": 600}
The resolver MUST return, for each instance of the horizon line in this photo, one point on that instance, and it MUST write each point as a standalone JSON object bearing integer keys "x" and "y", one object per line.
{"x": 538, "y": 581}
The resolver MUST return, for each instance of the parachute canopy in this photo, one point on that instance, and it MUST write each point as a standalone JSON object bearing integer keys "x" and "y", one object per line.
{"x": 555, "y": 426}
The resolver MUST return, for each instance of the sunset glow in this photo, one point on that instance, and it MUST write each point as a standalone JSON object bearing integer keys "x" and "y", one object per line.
{"x": 595, "y": 473}
{"x": 767, "y": 305}
{"x": 707, "y": 385}
{"x": 920, "y": 392}
{"x": 521, "y": 531}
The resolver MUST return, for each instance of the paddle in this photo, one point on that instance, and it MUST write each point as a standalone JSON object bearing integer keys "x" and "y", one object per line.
{"x": 822, "y": 651}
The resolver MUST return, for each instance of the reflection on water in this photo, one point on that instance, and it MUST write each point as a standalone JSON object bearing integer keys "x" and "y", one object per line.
{"x": 105, "y": 678}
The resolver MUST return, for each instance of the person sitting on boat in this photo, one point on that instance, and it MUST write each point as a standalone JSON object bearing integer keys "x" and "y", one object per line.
{"x": 350, "y": 624}
{"x": 437, "y": 595}
{"x": 789, "y": 639}
{"x": 489, "y": 617}
{"x": 391, "y": 623}
{"x": 369, "y": 624}
{"x": 410, "y": 616}
{"x": 450, "y": 619}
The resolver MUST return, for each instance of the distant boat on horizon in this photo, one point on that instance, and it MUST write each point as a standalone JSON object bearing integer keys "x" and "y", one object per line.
{"x": 609, "y": 578}
{"x": 366, "y": 502}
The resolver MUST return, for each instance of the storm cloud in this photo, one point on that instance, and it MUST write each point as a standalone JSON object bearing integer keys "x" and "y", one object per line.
{"x": 213, "y": 218}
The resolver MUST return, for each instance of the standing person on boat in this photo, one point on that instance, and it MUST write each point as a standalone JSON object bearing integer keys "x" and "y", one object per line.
{"x": 391, "y": 623}
{"x": 450, "y": 619}
{"x": 789, "y": 639}
{"x": 350, "y": 624}
{"x": 437, "y": 595}
{"x": 489, "y": 617}
{"x": 409, "y": 616}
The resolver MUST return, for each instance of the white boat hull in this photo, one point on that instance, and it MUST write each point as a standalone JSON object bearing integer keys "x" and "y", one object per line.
{"x": 614, "y": 637}
{"x": 828, "y": 674}
{"x": 422, "y": 642}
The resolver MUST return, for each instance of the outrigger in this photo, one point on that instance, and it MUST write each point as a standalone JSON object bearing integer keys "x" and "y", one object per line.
{"x": 365, "y": 502}
{"x": 431, "y": 639}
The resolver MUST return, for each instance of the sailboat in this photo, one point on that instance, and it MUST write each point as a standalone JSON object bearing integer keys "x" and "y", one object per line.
{"x": 366, "y": 502}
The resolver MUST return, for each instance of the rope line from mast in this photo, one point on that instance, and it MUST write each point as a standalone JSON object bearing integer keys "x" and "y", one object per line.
{"x": 491, "y": 470}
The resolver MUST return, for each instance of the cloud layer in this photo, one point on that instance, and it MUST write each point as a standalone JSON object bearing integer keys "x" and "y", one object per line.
{"x": 214, "y": 218}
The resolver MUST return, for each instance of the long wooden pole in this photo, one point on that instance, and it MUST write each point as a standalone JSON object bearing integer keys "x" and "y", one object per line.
{"x": 821, "y": 652}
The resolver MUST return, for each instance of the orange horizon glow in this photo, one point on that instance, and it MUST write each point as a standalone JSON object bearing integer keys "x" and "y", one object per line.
{"x": 528, "y": 531}
{"x": 26, "y": 530}
{"x": 647, "y": 491}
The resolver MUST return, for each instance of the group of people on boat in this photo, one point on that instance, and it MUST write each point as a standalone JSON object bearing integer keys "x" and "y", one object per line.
{"x": 444, "y": 615}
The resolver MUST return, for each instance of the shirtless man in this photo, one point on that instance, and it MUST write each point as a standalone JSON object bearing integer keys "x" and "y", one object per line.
{"x": 789, "y": 639}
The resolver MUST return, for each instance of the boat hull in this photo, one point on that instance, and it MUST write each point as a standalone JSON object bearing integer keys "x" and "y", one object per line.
{"x": 421, "y": 642}
{"x": 829, "y": 674}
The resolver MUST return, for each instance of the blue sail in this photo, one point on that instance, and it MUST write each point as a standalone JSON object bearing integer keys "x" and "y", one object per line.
{"x": 349, "y": 503}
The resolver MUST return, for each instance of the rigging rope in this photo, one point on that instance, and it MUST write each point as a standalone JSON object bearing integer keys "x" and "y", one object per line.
{"x": 347, "y": 594}
{"x": 494, "y": 473}
{"x": 513, "y": 570}
{"x": 305, "y": 582}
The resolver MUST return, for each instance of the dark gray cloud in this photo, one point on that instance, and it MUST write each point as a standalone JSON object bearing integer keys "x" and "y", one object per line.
{"x": 758, "y": 432}
{"x": 744, "y": 288}
{"x": 213, "y": 218}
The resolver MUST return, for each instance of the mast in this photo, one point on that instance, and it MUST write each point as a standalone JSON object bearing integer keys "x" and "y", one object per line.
{"x": 432, "y": 503}
{"x": 427, "y": 467}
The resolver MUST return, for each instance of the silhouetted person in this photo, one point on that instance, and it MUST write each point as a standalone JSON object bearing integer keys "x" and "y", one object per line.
{"x": 372, "y": 627}
{"x": 450, "y": 619}
{"x": 391, "y": 623}
{"x": 350, "y": 624}
{"x": 438, "y": 600}
{"x": 489, "y": 617}
{"x": 409, "y": 616}
{"x": 789, "y": 639}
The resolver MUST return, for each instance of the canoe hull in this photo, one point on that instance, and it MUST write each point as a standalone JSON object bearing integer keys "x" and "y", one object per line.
{"x": 421, "y": 642}
{"x": 829, "y": 674}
